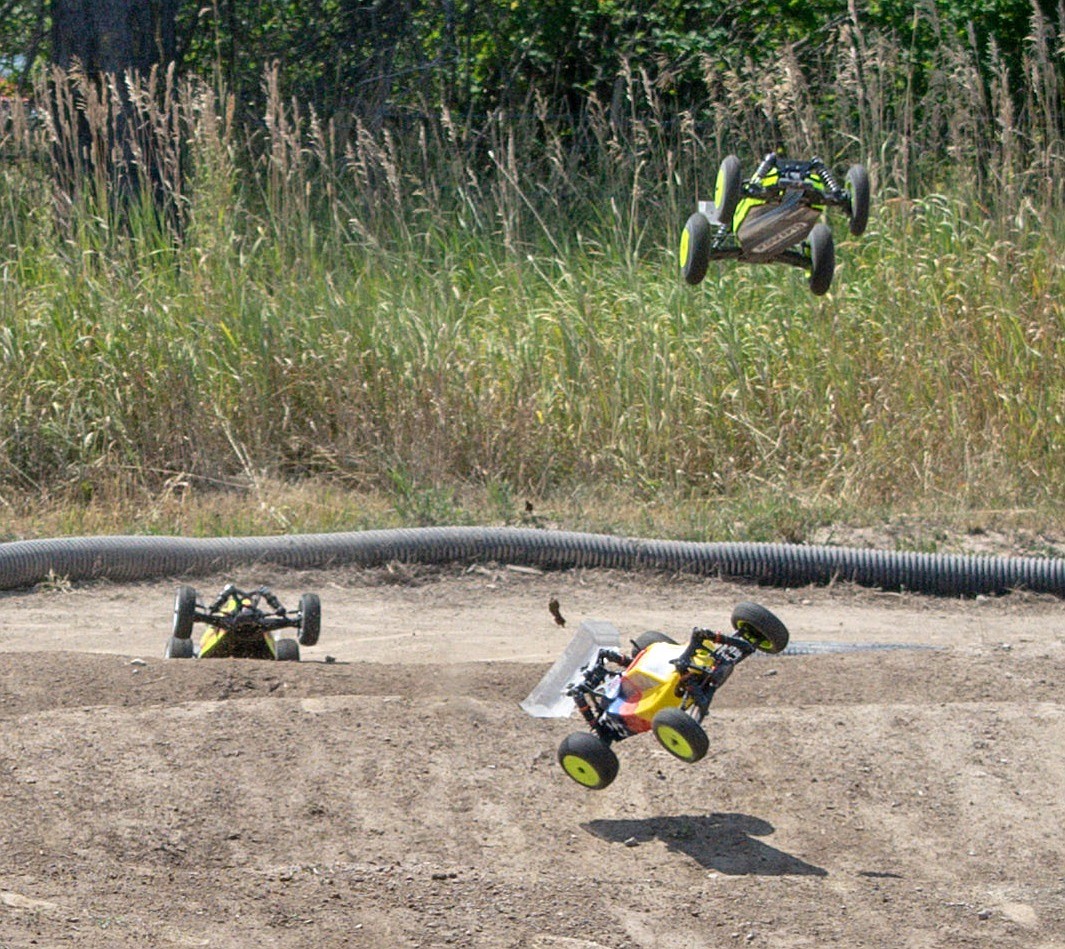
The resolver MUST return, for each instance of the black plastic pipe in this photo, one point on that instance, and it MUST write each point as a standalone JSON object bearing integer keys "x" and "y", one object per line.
{"x": 24, "y": 563}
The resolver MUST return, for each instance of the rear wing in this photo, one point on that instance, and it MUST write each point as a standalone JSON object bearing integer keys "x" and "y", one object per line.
{"x": 549, "y": 698}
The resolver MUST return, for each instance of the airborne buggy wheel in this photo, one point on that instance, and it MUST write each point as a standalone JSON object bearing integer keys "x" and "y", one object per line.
{"x": 287, "y": 650}
{"x": 178, "y": 648}
{"x": 588, "y": 759}
{"x": 680, "y": 734}
{"x": 822, "y": 259}
{"x": 728, "y": 189}
{"x": 761, "y": 628}
{"x": 310, "y": 619}
{"x": 695, "y": 248}
{"x": 858, "y": 186}
{"x": 184, "y": 611}
{"x": 641, "y": 642}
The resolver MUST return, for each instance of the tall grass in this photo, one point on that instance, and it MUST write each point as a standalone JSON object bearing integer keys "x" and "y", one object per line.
{"x": 429, "y": 304}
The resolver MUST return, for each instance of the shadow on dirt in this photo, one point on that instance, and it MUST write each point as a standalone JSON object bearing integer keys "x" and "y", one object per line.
{"x": 722, "y": 842}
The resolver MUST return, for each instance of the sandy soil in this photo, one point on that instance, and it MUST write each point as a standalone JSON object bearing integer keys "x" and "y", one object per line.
{"x": 396, "y": 794}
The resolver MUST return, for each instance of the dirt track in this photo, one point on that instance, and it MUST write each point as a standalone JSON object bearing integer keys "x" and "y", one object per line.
{"x": 400, "y": 797}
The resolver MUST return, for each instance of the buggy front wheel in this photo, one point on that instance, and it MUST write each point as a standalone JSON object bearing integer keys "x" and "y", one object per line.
{"x": 761, "y": 628}
{"x": 680, "y": 734}
{"x": 858, "y": 187}
{"x": 177, "y": 648}
{"x": 310, "y": 619}
{"x": 728, "y": 189}
{"x": 184, "y": 612}
{"x": 641, "y": 642}
{"x": 287, "y": 650}
{"x": 822, "y": 259}
{"x": 695, "y": 248}
{"x": 588, "y": 759}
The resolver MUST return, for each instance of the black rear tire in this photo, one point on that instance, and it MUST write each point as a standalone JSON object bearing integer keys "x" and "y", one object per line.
{"x": 177, "y": 648}
{"x": 695, "y": 248}
{"x": 641, "y": 642}
{"x": 728, "y": 189}
{"x": 288, "y": 650}
{"x": 858, "y": 186}
{"x": 588, "y": 759}
{"x": 681, "y": 735}
{"x": 822, "y": 259}
{"x": 310, "y": 619}
{"x": 761, "y": 628}
{"x": 184, "y": 611}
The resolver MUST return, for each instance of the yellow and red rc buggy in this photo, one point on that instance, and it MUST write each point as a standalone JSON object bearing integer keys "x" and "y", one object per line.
{"x": 664, "y": 688}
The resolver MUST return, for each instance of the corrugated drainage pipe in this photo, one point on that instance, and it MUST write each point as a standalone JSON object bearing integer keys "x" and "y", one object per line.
{"x": 24, "y": 563}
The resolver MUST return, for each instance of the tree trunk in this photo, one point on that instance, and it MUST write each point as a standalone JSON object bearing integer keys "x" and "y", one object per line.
{"x": 106, "y": 147}
{"x": 112, "y": 36}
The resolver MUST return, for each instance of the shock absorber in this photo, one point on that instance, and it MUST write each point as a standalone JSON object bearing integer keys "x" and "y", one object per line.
{"x": 831, "y": 185}
{"x": 768, "y": 164}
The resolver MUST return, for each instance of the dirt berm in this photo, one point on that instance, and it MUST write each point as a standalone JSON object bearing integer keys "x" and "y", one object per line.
{"x": 396, "y": 794}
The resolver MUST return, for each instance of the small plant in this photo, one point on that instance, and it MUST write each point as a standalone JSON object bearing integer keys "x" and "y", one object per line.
{"x": 424, "y": 507}
{"x": 54, "y": 583}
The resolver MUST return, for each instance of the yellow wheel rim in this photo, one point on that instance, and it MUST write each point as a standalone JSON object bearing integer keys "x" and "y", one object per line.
{"x": 685, "y": 248}
{"x": 749, "y": 633}
{"x": 675, "y": 742}
{"x": 719, "y": 190}
{"x": 581, "y": 771}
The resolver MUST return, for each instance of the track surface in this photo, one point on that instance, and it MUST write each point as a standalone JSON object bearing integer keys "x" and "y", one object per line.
{"x": 398, "y": 796}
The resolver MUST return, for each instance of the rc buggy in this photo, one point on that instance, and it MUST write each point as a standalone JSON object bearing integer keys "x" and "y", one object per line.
{"x": 242, "y": 625}
{"x": 662, "y": 687}
{"x": 774, "y": 217}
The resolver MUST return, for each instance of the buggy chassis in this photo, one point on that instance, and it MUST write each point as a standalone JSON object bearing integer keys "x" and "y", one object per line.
{"x": 774, "y": 217}
{"x": 238, "y": 626}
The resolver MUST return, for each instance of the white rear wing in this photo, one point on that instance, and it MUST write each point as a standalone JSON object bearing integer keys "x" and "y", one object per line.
{"x": 549, "y": 699}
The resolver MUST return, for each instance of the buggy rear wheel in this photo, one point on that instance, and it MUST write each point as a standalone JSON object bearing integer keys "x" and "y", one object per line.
{"x": 184, "y": 612}
{"x": 588, "y": 759}
{"x": 761, "y": 628}
{"x": 177, "y": 648}
{"x": 287, "y": 650}
{"x": 858, "y": 187}
{"x": 641, "y": 642}
{"x": 310, "y": 619}
{"x": 728, "y": 189}
{"x": 822, "y": 259}
{"x": 680, "y": 734}
{"x": 695, "y": 248}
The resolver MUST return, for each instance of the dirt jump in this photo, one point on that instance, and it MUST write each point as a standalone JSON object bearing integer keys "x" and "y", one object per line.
{"x": 388, "y": 790}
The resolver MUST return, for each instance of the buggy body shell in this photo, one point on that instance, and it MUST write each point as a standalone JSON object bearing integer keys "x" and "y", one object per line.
{"x": 647, "y": 685}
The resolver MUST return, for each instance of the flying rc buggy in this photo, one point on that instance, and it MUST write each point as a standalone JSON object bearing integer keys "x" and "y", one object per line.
{"x": 662, "y": 687}
{"x": 242, "y": 625}
{"x": 774, "y": 216}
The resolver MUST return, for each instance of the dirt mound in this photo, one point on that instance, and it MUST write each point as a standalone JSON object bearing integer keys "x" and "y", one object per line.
{"x": 859, "y": 798}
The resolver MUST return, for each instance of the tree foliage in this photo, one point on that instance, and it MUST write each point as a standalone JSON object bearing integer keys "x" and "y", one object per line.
{"x": 370, "y": 56}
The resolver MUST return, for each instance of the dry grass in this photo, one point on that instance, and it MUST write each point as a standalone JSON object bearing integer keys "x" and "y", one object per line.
{"x": 428, "y": 311}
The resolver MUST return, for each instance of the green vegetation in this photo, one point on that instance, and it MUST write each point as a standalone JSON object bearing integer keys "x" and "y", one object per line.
{"x": 434, "y": 323}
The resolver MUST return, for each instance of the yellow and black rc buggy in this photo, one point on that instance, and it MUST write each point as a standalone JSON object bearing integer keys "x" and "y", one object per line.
{"x": 242, "y": 625}
{"x": 774, "y": 217}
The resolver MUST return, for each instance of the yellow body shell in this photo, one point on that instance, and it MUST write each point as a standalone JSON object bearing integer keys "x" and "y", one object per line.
{"x": 648, "y": 686}
{"x": 216, "y": 643}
